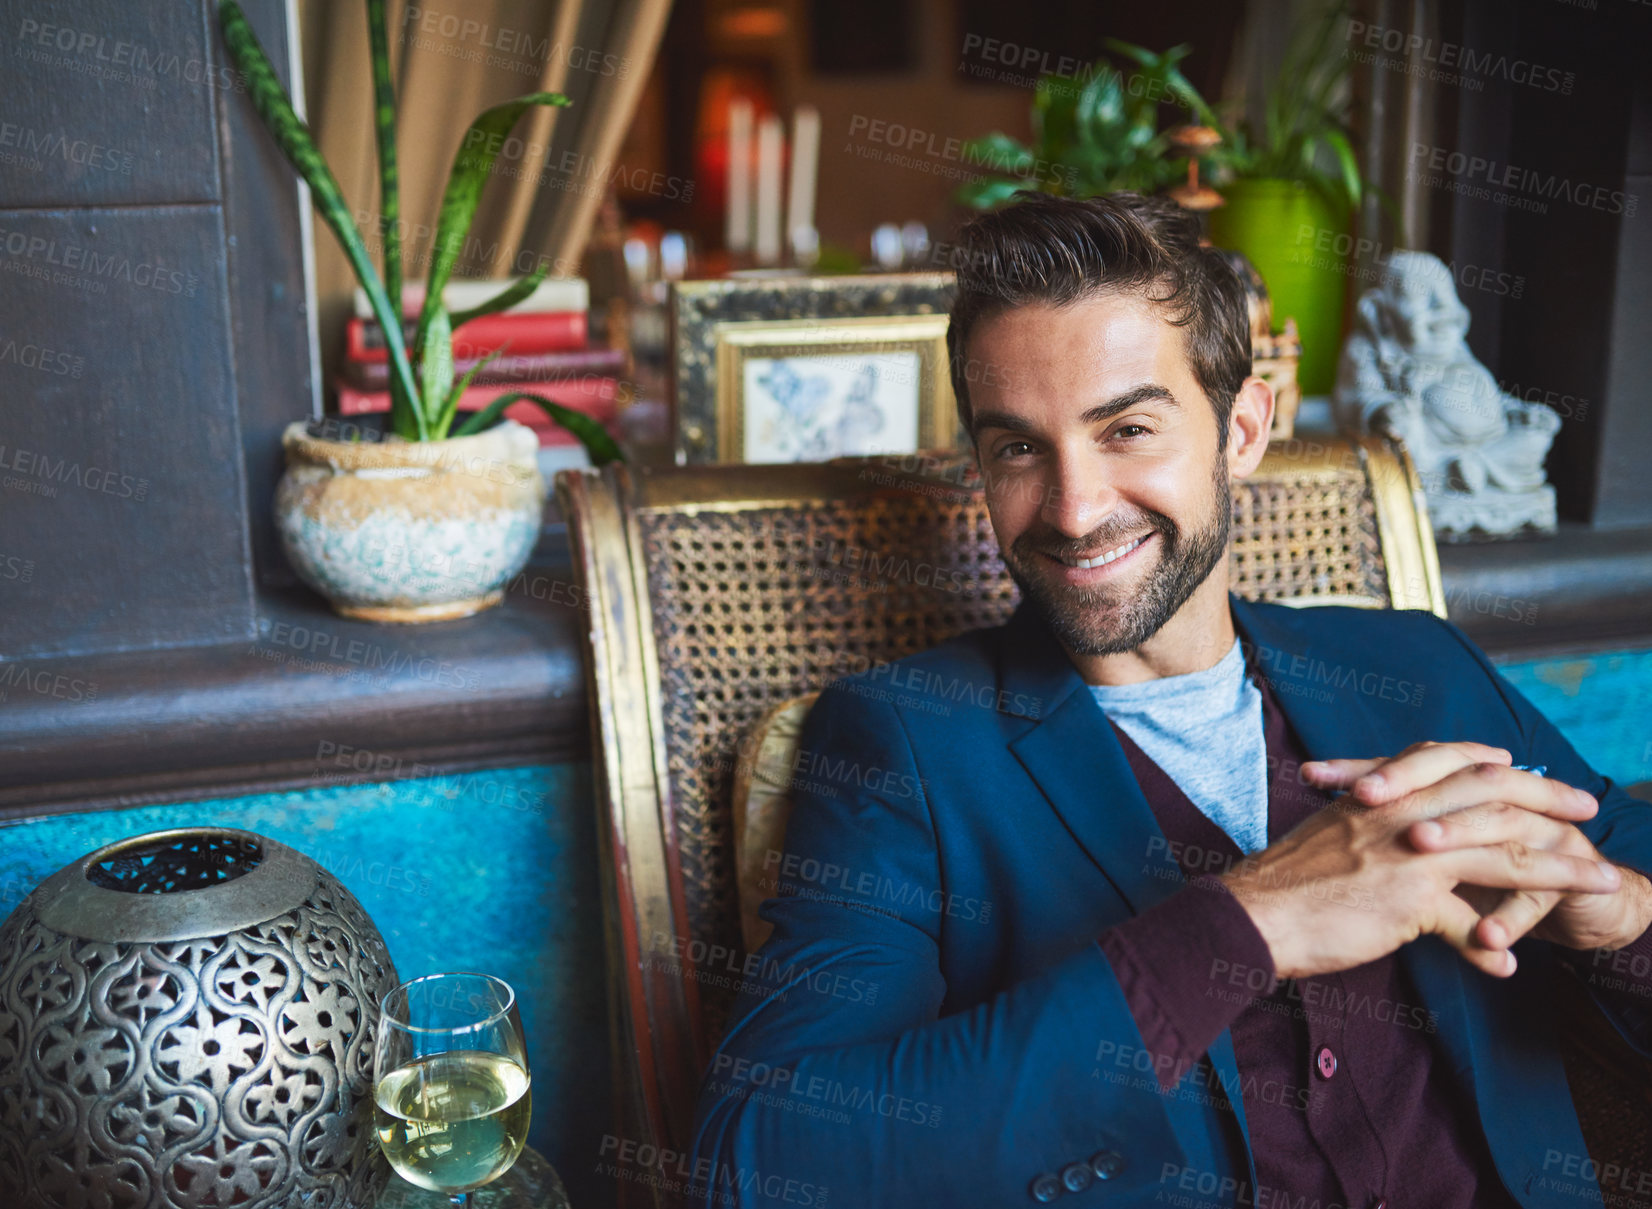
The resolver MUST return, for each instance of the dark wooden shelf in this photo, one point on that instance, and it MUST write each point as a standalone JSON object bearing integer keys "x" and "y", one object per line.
{"x": 1582, "y": 589}
{"x": 315, "y": 699}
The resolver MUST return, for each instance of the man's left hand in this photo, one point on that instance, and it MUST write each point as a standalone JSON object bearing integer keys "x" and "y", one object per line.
{"x": 1578, "y": 921}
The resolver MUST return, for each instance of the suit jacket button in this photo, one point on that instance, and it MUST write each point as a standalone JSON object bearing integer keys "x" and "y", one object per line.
{"x": 1046, "y": 1188}
{"x": 1106, "y": 1164}
{"x": 1076, "y": 1176}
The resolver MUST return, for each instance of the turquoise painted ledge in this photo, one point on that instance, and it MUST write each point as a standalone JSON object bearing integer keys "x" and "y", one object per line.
{"x": 492, "y": 871}
{"x": 1602, "y": 703}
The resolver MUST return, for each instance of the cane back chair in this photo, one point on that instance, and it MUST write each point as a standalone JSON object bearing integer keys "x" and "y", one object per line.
{"x": 718, "y": 593}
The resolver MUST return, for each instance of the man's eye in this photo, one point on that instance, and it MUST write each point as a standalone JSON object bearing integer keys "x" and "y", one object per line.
{"x": 1014, "y": 449}
{"x": 1130, "y": 431}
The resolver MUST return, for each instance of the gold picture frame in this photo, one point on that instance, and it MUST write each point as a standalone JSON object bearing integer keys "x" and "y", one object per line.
{"x": 805, "y": 369}
{"x": 907, "y": 356}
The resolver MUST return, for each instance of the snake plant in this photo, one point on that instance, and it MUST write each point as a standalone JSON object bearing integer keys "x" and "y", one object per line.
{"x": 423, "y": 402}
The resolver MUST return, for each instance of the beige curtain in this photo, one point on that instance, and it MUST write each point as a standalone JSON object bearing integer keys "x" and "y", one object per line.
{"x": 450, "y": 60}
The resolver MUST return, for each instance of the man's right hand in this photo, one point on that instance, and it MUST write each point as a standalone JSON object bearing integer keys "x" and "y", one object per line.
{"x": 1346, "y": 886}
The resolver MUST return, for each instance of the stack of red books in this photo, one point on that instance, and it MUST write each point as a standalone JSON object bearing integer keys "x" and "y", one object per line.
{"x": 542, "y": 349}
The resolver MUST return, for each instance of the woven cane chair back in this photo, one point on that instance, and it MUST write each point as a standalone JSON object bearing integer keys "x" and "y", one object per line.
{"x": 717, "y": 593}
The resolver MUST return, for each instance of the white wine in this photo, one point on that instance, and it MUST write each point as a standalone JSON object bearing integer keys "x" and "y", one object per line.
{"x": 454, "y": 1121}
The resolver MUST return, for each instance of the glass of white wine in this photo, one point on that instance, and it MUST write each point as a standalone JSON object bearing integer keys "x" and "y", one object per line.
{"x": 451, "y": 1086}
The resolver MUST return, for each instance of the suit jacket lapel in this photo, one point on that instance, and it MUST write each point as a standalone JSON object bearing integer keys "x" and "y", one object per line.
{"x": 1075, "y": 759}
{"x": 1319, "y": 690}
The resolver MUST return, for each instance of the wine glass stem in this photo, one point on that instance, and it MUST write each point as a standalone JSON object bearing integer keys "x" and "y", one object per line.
{"x": 460, "y": 1199}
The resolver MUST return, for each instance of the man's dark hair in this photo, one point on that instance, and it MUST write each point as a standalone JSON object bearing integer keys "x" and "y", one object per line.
{"x": 1061, "y": 250}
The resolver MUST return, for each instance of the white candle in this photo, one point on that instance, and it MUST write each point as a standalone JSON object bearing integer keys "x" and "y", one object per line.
{"x": 769, "y": 147}
{"x": 738, "y": 232}
{"x": 800, "y": 200}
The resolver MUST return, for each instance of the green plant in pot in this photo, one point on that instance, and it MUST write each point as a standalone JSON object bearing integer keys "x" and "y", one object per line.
{"x": 1295, "y": 184}
{"x": 1096, "y": 133}
{"x": 433, "y": 520}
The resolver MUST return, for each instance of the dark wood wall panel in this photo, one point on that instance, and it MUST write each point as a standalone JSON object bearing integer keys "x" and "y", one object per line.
{"x": 1624, "y": 494}
{"x": 108, "y": 102}
{"x": 154, "y": 327}
{"x": 1554, "y": 216}
{"x": 121, "y": 479}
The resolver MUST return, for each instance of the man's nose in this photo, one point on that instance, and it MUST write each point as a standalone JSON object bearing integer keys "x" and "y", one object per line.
{"x": 1076, "y": 500}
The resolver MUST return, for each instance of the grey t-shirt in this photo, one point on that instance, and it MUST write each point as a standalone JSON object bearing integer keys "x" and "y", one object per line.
{"x": 1205, "y": 730}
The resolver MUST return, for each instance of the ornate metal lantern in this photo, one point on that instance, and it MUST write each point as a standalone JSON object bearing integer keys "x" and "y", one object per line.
{"x": 186, "y": 1020}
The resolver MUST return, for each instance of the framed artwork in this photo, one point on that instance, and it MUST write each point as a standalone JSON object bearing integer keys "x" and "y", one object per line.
{"x": 804, "y": 369}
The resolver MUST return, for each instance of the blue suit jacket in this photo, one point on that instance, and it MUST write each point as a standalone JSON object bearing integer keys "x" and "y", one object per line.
{"x": 925, "y": 1025}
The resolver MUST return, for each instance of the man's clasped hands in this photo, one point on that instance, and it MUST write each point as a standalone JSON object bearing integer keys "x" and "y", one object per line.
{"x": 1444, "y": 838}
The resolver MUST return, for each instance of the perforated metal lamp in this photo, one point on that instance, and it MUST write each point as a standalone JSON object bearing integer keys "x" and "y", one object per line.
{"x": 186, "y": 1019}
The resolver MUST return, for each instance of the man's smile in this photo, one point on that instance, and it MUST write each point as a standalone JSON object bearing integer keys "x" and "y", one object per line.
{"x": 1106, "y": 564}
{"x": 1108, "y": 555}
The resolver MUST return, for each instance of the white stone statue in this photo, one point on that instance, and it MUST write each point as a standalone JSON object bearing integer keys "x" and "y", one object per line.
{"x": 1407, "y": 372}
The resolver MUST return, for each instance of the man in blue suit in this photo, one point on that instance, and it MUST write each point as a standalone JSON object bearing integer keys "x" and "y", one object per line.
{"x": 1153, "y": 895}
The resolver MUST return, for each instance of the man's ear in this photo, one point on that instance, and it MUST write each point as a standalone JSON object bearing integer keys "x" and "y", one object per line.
{"x": 1248, "y": 426}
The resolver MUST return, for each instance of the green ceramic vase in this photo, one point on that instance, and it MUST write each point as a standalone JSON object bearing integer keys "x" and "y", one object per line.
{"x": 1299, "y": 241}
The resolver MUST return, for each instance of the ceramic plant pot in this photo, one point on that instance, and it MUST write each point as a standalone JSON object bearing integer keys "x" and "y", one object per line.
{"x": 405, "y": 531}
{"x": 1298, "y": 242}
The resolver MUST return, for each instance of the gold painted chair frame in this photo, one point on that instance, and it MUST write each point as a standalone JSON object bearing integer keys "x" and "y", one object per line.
{"x": 718, "y": 592}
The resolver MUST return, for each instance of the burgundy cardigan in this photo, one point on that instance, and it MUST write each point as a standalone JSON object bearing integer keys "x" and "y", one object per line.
{"x": 1347, "y": 1099}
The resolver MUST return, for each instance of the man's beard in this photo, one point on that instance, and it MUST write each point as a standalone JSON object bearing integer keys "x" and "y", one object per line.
{"x": 1103, "y": 621}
